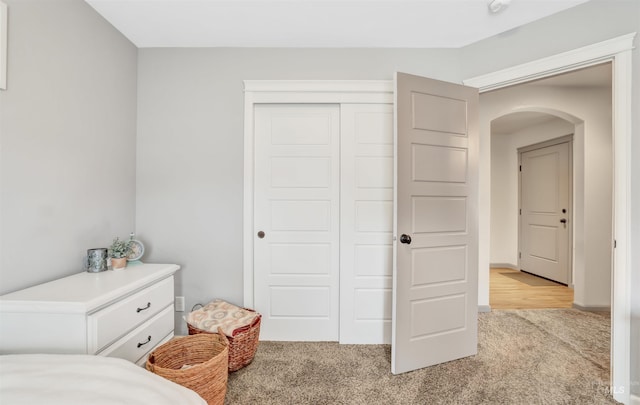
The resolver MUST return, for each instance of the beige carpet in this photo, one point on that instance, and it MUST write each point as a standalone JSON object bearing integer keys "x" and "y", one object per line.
{"x": 557, "y": 356}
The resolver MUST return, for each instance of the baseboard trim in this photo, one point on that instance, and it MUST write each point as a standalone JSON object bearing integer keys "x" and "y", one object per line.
{"x": 484, "y": 308}
{"x": 503, "y": 266}
{"x": 590, "y": 308}
{"x": 635, "y": 400}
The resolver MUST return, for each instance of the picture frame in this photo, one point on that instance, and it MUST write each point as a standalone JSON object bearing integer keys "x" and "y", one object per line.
{"x": 3, "y": 45}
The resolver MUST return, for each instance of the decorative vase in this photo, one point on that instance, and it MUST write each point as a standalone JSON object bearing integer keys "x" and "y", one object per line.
{"x": 96, "y": 260}
{"x": 118, "y": 263}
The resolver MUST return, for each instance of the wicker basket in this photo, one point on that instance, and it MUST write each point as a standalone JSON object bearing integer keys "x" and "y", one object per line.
{"x": 242, "y": 345}
{"x": 207, "y": 357}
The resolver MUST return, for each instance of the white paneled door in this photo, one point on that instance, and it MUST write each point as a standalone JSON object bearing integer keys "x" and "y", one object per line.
{"x": 545, "y": 192}
{"x": 435, "y": 277}
{"x": 324, "y": 205}
{"x": 366, "y": 226}
{"x": 296, "y": 222}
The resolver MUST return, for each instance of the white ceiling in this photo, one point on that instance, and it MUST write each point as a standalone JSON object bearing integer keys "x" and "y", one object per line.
{"x": 318, "y": 23}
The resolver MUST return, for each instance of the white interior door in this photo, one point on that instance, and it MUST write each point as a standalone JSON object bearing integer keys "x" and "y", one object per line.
{"x": 296, "y": 221}
{"x": 435, "y": 275}
{"x": 366, "y": 223}
{"x": 545, "y": 191}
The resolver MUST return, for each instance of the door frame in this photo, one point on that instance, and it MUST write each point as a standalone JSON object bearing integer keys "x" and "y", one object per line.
{"x": 618, "y": 51}
{"x": 568, "y": 139}
{"x": 292, "y": 92}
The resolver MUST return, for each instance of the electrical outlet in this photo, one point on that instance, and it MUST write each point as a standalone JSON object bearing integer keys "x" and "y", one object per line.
{"x": 179, "y": 304}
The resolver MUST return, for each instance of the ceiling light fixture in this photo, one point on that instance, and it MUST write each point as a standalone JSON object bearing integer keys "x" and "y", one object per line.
{"x": 496, "y": 6}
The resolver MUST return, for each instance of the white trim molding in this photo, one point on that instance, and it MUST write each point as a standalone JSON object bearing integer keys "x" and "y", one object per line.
{"x": 565, "y": 62}
{"x": 318, "y": 86}
{"x": 618, "y": 51}
{"x": 503, "y": 266}
{"x": 591, "y": 308}
{"x": 292, "y": 91}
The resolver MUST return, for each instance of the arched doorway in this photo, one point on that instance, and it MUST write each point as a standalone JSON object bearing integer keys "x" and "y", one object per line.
{"x": 585, "y": 111}
{"x": 543, "y": 248}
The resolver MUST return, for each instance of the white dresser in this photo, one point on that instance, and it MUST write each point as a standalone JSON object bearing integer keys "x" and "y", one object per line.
{"x": 118, "y": 313}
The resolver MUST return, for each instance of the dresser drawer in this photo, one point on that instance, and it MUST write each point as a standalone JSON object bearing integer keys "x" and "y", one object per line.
{"x": 140, "y": 341}
{"x": 118, "y": 319}
{"x": 142, "y": 361}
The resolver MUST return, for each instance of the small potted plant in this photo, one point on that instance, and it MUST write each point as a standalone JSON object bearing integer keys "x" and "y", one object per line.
{"x": 118, "y": 252}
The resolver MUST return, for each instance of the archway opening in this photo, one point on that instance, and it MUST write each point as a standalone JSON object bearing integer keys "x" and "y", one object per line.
{"x": 532, "y": 251}
{"x": 582, "y": 99}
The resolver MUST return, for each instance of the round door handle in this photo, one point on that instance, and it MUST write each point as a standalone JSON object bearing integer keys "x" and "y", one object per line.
{"x": 260, "y": 234}
{"x": 405, "y": 239}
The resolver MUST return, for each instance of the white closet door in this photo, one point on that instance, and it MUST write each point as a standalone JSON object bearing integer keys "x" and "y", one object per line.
{"x": 296, "y": 218}
{"x": 366, "y": 254}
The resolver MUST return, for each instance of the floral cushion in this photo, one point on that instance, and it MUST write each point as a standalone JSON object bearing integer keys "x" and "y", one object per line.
{"x": 221, "y": 314}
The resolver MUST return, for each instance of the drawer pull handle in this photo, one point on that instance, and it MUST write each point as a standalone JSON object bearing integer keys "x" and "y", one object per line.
{"x": 142, "y": 344}
{"x": 142, "y": 309}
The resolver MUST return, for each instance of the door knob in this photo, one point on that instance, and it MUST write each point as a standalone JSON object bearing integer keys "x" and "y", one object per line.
{"x": 260, "y": 234}
{"x": 563, "y": 221}
{"x": 405, "y": 239}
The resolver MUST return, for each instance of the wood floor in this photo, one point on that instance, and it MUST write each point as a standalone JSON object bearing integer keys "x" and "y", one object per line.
{"x": 512, "y": 289}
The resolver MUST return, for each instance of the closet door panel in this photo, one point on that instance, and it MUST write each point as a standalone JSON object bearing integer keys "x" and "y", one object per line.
{"x": 296, "y": 221}
{"x": 366, "y": 223}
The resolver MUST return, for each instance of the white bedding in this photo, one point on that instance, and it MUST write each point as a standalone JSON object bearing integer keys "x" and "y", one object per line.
{"x": 83, "y": 379}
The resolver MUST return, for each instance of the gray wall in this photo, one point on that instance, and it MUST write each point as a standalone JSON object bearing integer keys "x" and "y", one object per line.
{"x": 588, "y": 23}
{"x": 190, "y": 147}
{"x": 67, "y": 140}
{"x": 585, "y": 24}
